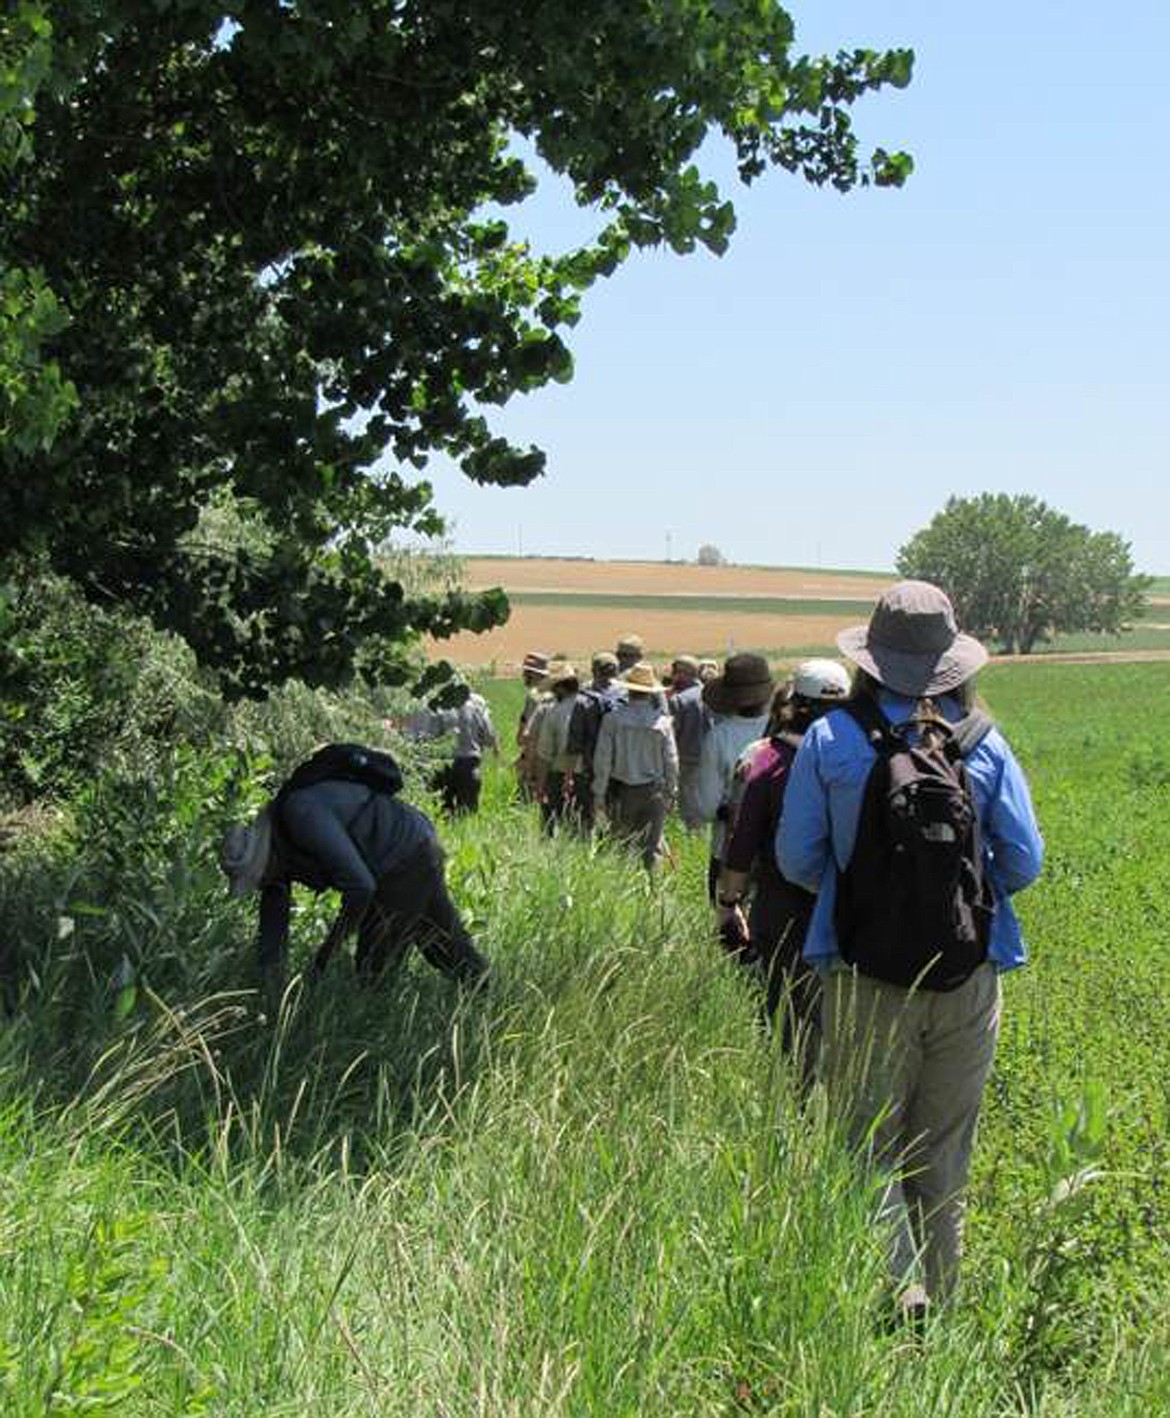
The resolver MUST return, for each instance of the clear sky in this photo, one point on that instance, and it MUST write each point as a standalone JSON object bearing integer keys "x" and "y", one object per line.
{"x": 814, "y": 396}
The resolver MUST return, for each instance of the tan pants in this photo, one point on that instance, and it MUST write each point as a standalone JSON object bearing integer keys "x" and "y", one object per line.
{"x": 909, "y": 1069}
{"x": 637, "y": 814}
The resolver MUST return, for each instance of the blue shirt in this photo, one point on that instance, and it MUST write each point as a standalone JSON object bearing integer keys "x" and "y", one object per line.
{"x": 814, "y": 840}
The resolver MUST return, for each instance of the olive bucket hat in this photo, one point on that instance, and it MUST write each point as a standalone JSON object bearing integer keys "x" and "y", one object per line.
{"x": 913, "y": 644}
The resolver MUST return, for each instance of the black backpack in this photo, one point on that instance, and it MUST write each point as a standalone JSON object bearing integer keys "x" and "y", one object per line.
{"x": 913, "y": 905}
{"x": 585, "y": 723}
{"x": 348, "y": 762}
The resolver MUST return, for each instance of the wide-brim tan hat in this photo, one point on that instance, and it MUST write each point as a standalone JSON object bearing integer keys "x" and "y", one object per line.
{"x": 560, "y": 673}
{"x": 913, "y": 644}
{"x": 245, "y": 851}
{"x": 642, "y": 679}
{"x": 746, "y": 681}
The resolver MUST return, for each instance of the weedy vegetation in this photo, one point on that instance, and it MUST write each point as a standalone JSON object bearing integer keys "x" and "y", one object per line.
{"x": 591, "y": 1189}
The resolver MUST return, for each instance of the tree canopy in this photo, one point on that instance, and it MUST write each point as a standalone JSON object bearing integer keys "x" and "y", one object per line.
{"x": 275, "y": 228}
{"x": 1019, "y": 572}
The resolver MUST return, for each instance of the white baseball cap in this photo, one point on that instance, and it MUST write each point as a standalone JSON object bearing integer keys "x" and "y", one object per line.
{"x": 821, "y": 679}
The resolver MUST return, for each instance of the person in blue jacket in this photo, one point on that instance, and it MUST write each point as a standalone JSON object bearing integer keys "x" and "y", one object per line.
{"x": 908, "y": 1064}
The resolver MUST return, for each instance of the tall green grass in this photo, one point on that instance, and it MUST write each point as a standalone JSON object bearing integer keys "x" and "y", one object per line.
{"x": 592, "y": 1190}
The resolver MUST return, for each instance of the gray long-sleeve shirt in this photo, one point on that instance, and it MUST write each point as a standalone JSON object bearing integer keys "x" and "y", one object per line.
{"x": 635, "y": 746}
{"x": 340, "y": 836}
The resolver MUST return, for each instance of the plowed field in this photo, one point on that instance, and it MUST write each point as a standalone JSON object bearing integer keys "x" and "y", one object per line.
{"x": 719, "y": 608}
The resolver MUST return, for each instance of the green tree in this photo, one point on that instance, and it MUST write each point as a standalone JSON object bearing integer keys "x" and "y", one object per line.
{"x": 34, "y": 398}
{"x": 1019, "y": 572}
{"x": 276, "y": 227}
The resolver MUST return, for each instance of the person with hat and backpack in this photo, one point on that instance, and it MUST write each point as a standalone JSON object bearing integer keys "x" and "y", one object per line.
{"x": 556, "y": 762}
{"x": 339, "y": 824}
{"x": 598, "y": 698}
{"x": 533, "y": 673}
{"x": 691, "y": 720}
{"x": 737, "y": 700}
{"x": 763, "y": 916}
{"x": 635, "y": 765}
{"x": 908, "y": 814}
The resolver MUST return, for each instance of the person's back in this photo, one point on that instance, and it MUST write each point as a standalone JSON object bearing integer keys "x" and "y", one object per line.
{"x": 908, "y": 1064}
{"x": 635, "y": 766}
{"x": 380, "y": 852}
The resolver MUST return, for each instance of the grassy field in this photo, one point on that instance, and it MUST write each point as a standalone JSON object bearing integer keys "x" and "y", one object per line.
{"x": 591, "y": 1191}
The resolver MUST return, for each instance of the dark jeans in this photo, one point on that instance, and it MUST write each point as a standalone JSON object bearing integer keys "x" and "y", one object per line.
{"x": 459, "y": 783}
{"x": 412, "y": 907}
{"x": 777, "y": 926}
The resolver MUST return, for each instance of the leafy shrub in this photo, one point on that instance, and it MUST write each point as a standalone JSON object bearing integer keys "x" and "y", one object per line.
{"x": 81, "y": 687}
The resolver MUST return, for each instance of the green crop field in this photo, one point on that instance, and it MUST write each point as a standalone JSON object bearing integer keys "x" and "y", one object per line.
{"x": 591, "y": 1191}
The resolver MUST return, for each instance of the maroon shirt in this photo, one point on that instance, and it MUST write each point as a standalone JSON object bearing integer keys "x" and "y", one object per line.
{"x": 757, "y": 797}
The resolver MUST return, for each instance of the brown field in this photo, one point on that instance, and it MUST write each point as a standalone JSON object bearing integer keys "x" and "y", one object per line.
{"x": 579, "y": 632}
{"x": 660, "y": 578}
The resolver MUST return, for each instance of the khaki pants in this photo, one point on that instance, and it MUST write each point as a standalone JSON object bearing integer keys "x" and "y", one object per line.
{"x": 909, "y": 1069}
{"x": 637, "y": 814}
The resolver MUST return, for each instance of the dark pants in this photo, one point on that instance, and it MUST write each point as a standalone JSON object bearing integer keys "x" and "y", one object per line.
{"x": 556, "y": 806}
{"x": 637, "y": 814}
{"x": 412, "y": 907}
{"x": 777, "y": 925}
{"x": 583, "y": 798}
{"x": 459, "y": 783}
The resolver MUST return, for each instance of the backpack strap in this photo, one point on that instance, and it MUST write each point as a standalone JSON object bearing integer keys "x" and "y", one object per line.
{"x": 870, "y": 720}
{"x": 970, "y": 731}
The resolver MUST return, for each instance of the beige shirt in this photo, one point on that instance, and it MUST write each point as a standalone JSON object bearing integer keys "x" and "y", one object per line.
{"x": 636, "y": 746}
{"x": 552, "y": 737}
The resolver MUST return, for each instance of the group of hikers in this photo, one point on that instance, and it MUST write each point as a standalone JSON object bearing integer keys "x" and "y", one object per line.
{"x": 868, "y": 829}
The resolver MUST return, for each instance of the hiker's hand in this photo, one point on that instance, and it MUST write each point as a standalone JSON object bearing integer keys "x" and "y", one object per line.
{"x": 733, "y": 927}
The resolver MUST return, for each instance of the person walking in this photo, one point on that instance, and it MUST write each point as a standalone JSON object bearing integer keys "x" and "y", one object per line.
{"x": 763, "y": 916}
{"x": 737, "y": 700}
{"x": 913, "y": 923}
{"x": 460, "y": 781}
{"x": 381, "y": 853}
{"x": 533, "y": 672}
{"x": 628, "y": 651}
{"x": 691, "y": 722}
{"x": 635, "y": 766}
{"x": 599, "y": 697}
{"x": 555, "y": 760}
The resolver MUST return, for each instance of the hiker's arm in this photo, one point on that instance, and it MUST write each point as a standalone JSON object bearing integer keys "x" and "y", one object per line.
{"x": 272, "y": 936}
{"x": 669, "y": 763}
{"x": 1011, "y": 831}
{"x": 602, "y": 761}
{"x": 803, "y": 840}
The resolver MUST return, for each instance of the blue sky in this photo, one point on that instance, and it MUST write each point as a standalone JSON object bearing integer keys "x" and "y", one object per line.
{"x": 814, "y": 396}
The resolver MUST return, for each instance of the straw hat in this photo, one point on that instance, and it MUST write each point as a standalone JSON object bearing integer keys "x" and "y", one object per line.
{"x": 745, "y": 681}
{"x": 535, "y": 663}
{"x": 245, "y": 851}
{"x": 561, "y": 672}
{"x": 912, "y": 643}
{"x": 641, "y": 679}
{"x": 630, "y": 645}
